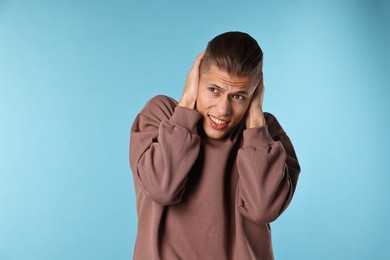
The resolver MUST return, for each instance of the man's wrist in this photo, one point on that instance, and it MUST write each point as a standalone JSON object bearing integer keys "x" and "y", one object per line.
{"x": 187, "y": 102}
{"x": 255, "y": 121}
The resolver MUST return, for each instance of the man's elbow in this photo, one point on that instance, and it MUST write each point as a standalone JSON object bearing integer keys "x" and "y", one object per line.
{"x": 260, "y": 217}
{"x": 165, "y": 198}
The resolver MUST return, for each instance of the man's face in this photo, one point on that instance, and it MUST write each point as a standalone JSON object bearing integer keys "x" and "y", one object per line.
{"x": 222, "y": 100}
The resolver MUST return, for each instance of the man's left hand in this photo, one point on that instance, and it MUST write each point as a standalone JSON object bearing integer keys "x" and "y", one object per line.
{"x": 254, "y": 116}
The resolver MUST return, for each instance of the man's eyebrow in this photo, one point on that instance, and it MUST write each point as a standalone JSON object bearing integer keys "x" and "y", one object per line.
{"x": 217, "y": 87}
{"x": 242, "y": 92}
{"x": 239, "y": 92}
{"x": 214, "y": 85}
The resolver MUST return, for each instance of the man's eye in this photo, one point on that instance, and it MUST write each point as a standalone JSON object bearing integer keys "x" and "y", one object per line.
{"x": 214, "y": 90}
{"x": 239, "y": 97}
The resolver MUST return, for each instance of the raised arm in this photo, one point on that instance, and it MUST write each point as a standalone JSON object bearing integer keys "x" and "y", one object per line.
{"x": 267, "y": 165}
{"x": 164, "y": 145}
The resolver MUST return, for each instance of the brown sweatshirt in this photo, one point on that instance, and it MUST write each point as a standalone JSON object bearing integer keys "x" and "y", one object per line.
{"x": 201, "y": 198}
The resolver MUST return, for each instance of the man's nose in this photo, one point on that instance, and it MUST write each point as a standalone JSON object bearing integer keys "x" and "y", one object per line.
{"x": 224, "y": 106}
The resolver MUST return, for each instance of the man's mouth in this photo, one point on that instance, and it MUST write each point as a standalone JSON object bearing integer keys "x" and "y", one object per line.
{"x": 217, "y": 123}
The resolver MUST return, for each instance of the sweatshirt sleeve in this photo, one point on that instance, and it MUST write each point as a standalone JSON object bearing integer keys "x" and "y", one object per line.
{"x": 164, "y": 146}
{"x": 268, "y": 172}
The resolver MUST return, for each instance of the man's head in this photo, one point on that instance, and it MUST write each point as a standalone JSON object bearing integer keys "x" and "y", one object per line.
{"x": 236, "y": 53}
{"x": 229, "y": 74}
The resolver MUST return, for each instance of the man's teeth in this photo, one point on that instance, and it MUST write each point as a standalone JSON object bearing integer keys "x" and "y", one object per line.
{"x": 217, "y": 121}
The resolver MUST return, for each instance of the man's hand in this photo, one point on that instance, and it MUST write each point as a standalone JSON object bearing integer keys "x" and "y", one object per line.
{"x": 188, "y": 98}
{"x": 254, "y": 116}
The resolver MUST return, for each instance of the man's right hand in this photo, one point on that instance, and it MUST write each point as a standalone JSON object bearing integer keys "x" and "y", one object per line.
{"x": 188, "y": 98}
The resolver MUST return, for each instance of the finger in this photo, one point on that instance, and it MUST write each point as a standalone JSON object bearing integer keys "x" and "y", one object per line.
{"x": 194, "y": 72}
{"x": 256, "y": 92}
{"x": 261, "y": 82}
{"x": 261, "y": 95}
{"x": 198, "y": 59}
{"x": 257, "y": 97}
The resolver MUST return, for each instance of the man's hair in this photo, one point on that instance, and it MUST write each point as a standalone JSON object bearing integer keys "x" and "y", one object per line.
{"x": 237, "y": 53}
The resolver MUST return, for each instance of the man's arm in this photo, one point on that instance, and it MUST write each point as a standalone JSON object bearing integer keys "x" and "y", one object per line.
{"x": 164, "y": 145}
{"x": 267, "y": 165}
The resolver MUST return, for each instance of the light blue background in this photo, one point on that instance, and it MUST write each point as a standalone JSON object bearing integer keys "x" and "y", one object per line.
{"x": 74, "y": 74}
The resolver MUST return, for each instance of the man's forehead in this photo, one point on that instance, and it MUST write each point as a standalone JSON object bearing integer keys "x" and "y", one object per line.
{"x": 235, "y": 83}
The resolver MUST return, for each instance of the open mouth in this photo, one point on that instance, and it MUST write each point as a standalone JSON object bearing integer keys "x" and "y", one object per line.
{"x": 217, "y": 123}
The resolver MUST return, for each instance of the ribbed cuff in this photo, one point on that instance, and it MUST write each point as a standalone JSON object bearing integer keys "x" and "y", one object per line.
{"x": 186, "y": 118}
{"x": 257, "y": 137}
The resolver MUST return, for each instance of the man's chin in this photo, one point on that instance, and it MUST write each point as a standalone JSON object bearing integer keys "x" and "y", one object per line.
{"x": 213, "y": 133}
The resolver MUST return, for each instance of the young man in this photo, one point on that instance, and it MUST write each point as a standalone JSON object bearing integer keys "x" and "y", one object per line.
{"x": 212, "y": 171}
